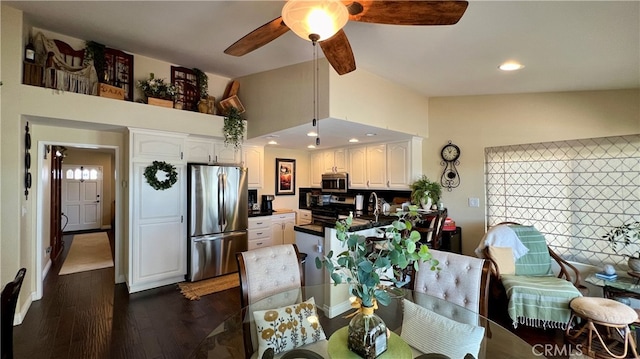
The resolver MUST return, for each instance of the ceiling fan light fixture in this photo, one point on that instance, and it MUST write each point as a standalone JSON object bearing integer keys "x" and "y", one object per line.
{"x": 321, "y": 17}
{"x": 312, "y": 134}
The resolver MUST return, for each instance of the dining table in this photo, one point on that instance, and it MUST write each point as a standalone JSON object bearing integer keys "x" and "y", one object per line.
{"x": 226, "y": 340}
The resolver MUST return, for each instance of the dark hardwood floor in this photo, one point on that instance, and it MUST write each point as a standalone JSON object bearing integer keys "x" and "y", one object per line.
{"x": 84, "y": 315}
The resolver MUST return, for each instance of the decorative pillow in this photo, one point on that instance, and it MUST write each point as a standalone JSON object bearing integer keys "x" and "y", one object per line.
{"x": 503, "y": 256}
{"x": 288, "y": 327}
{"x": 430, "y": 332}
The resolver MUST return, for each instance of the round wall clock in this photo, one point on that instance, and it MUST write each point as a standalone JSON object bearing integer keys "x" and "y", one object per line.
{"x": 450, "y": 154}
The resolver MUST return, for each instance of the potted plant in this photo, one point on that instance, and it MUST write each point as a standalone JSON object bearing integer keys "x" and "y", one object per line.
{"x": 626, "y": 234}
{"x": 425, "y": 192}
{"x": 157, "y": 88}
{"x": 233, "y": 128}
{"x": 360, "y": 266}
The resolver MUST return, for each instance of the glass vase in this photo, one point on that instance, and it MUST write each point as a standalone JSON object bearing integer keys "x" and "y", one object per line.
{"x": 367, "y": 334}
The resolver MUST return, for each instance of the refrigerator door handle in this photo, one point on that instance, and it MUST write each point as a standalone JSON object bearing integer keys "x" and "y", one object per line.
{"x": 220, "y": 195}
{"x": 224, "y": 196}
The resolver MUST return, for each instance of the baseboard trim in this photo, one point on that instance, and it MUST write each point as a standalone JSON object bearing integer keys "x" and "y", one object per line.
{"x": 46, "y": 268}
{"x": 22, "y": 313}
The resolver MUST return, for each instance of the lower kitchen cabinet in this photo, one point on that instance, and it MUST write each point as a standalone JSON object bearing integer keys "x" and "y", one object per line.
{"x": 303, "y": 217}
{"x": 282, "y": 228}
{"x": 259, "y": 232}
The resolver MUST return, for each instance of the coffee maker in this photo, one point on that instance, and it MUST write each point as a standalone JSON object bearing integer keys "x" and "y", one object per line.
{"x": 267, "y": 203}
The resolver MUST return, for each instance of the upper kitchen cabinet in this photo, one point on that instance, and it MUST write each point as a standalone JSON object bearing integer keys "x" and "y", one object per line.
{"x": 253, "y": 160}
{"x": 156, "y": 145}
{"x": 330, "y": 161}
{"x": 385, "y": 166}
{"x": 335, "y": 160}
{"x": 207, "y": 150}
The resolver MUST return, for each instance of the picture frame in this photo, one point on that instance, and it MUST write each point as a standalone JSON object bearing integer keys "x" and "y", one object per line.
{"x": 285, "y": 176}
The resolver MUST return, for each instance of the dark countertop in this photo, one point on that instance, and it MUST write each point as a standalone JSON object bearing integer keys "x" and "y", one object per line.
{"x": 260, "y": 213}
{"x": 357, "y": 226}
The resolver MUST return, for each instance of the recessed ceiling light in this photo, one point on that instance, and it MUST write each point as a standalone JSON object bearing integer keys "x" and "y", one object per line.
{"x": 312, "y": 134}
{"x": 311, "y": 146}
{"x": 370, "y": 134}
{"x": 353, "y": 140}
{"x": 511, "y": 66}
{"x": 272, "y": 142}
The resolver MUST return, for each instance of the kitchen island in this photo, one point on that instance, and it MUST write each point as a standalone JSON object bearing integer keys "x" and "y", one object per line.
{"x": 316, "y": 241}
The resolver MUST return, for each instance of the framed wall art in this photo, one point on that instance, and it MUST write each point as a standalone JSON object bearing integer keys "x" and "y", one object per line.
{"x": 285, "y": 176}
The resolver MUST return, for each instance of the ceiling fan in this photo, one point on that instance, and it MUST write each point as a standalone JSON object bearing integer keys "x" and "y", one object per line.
{"x": 334, "y": 42}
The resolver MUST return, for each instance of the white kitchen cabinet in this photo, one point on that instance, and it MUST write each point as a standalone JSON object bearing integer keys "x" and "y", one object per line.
{"x": 391, "y": 165}
{"x": 226, "y": 153}
{"x": 334, "y": 160}
{"x": 156, "y": 145}
{"x": 316, "y": 168}
{"x": 303, "y": 217}
{"x": 198, "y": 150}
{"x": 259, "y": 232}
{"x": 209, "y": 150}
{"x": 282, "y": 228}
{"x": 376, "y": 166}
{"x": 158, "y": 244}
{"x": 357, "y": 167}
{"x": 253, "y": 159}
{"x": 398, "y": 165}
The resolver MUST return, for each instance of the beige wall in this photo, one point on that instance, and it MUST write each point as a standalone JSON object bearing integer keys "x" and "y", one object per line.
{"x": 477, "y": 122}
{"x": 302, "y": 175}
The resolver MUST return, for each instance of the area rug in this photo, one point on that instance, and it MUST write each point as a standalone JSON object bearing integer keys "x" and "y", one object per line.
{"x": 195, "y": 290}
{"x": 88, "y": 251}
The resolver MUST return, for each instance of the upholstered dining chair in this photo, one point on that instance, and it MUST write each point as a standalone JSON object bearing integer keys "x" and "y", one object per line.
{"x": 461, "y": 280}
{"x": 270, "y": 277}
{"x": 9, "y": 301}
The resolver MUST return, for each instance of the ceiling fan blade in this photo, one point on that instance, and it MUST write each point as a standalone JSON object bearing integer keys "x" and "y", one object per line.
{"x": 338, "y": 51}
{"x": 258, "y": 37}
{"x": 411, "y": 12}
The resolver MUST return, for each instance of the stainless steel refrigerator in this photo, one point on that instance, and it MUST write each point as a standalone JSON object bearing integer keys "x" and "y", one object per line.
{"x": 218, "y": 219}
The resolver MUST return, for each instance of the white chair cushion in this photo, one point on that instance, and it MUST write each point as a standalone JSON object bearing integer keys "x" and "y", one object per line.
{"x": 430, "y": 332}
{"x": 457, "y": 282}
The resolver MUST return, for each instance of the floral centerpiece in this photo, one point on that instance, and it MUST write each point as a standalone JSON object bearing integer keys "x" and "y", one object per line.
{"x": 157, "y": 88}
{"x": 361, "y": 265}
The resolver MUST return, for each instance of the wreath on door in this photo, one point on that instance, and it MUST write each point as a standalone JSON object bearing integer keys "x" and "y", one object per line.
{"x": 150, "y": 173}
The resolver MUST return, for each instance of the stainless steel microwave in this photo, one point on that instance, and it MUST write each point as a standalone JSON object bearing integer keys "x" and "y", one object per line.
{"x": 335, "y": 182}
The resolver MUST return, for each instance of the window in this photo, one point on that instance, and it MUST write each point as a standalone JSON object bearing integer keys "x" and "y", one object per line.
{"x": 572, "y": 191}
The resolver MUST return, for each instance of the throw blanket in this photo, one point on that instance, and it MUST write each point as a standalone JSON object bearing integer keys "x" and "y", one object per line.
{"x": 502, "y": 236}
{"x": 541, "y": 302}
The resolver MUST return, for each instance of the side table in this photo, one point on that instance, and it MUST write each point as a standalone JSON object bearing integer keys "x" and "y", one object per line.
{"x": 622, "y": 286}
{"x": 452, "y": 240}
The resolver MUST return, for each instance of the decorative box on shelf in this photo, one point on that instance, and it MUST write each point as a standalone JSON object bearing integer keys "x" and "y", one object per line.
{"x": 111, "y": 92}
{"x": 160, "y": 102}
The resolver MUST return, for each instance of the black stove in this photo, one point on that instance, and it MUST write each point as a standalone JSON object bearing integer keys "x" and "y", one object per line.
{"x": 329, "y": 213}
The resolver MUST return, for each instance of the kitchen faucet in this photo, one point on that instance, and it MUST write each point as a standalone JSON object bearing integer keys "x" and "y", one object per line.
{"x": 376, "y": 212}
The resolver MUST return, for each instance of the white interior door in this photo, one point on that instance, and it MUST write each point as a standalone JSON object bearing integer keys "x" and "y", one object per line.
{"x": 82, "y": 197}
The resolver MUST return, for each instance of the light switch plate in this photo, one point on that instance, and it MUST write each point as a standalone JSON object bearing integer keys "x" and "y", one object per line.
{"x": 474, "y": 202}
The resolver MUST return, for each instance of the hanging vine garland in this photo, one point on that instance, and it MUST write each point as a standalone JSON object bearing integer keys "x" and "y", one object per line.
{"x": 152, "y": 170}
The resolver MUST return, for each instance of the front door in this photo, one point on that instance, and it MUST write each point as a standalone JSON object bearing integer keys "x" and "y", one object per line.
{"x": 81, "y": 197}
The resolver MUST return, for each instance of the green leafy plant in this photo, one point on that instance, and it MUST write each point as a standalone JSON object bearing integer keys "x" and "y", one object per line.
{"x": 362, "y": 262}
{"x": 233, "y": 128}
{"x": 94, "y": 51}
{"x": 625, "y": 234}
{"x": 157, "y": 88}
{"x": 423, "y": 188}
{"x": 203, "y": 82}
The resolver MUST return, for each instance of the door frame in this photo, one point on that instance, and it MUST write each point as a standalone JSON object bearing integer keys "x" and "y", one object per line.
{"x": 42, "y": 269}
